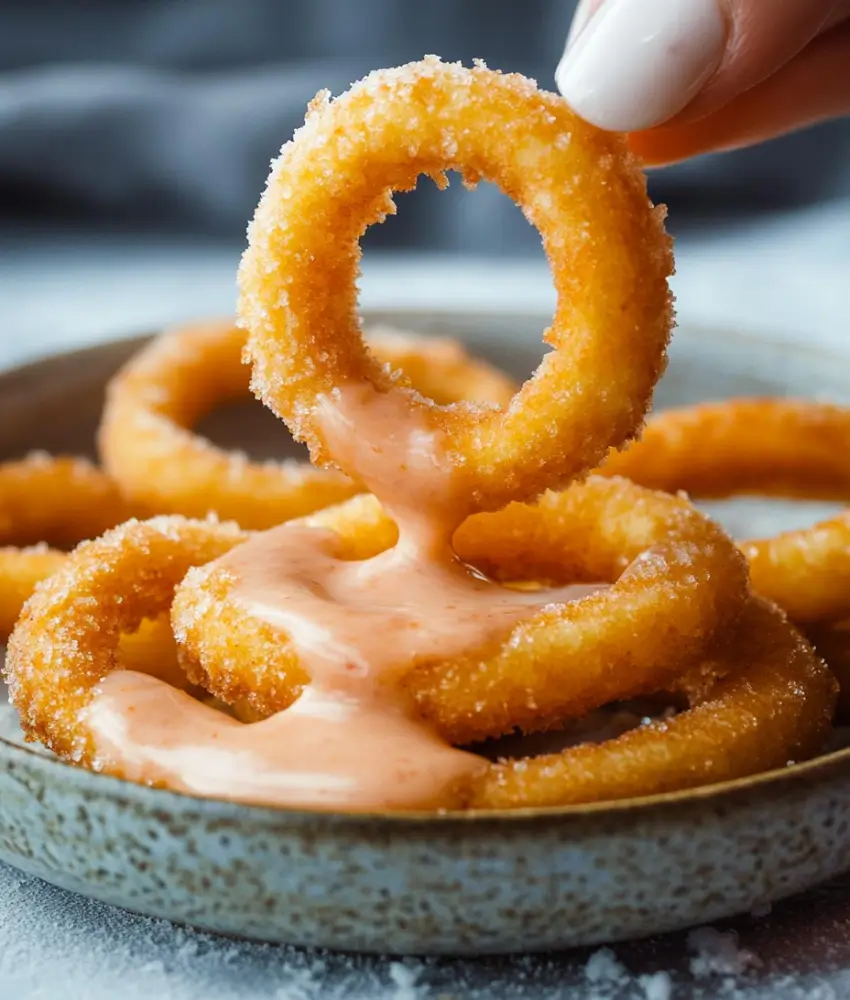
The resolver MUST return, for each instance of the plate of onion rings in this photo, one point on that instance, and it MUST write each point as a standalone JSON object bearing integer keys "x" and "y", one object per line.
{"x": 471, "y": 883}
{"x": 475, "y": 672}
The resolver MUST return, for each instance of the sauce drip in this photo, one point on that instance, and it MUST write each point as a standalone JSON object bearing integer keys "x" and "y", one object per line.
{"x": 354, "y": 738}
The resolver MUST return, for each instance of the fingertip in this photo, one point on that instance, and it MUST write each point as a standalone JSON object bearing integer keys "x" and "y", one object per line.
{"x": 654, "y": 149}
{"x": 632, "y": 64}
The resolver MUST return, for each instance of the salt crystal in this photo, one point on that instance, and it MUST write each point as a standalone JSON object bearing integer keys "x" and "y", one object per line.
{"x": 716, "y": 953}
{"x": 404, "y": 978}
{"x": 603, "y": 967}
{"x": 658, "y": 986}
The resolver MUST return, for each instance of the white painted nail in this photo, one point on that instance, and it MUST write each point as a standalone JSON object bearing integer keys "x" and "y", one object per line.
{"x": 583, "y": 13}
{"x": 637, "y": 62}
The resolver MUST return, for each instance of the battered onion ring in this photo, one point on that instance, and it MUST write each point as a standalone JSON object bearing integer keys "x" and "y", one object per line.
{"x": 56, "y": 500}
{"x": 151, "y": 649}
{"x": 163, "y": 467}
{"x": 580, "y": 187}
{"x": 772, "y": 447}
{"x": 775, "y": 705}
{"x": 678, "y": 582}
{"x": 59, "y": 501}
{"x": 20, "y": 571}
{"x": 832, "y": 642}
{"x": 61, "y": 648}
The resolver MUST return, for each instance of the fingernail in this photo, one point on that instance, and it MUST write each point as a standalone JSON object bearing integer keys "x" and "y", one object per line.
{"x": 637, "y": 62}
{"x": 583, "y": 14}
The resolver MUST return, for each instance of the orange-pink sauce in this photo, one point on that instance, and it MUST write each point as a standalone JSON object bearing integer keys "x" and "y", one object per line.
{"x": 354, "y": 739}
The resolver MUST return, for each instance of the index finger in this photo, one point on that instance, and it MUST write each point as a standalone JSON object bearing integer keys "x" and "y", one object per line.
{"x": 813, "y": 87}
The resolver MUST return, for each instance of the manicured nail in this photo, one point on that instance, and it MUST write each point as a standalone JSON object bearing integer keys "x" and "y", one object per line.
{"x": 585, "y": 10}
{"x": 636, "y": 63}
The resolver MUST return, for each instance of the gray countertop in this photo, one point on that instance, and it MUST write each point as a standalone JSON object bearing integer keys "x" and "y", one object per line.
{"x": 788, "y": 276}
{"x": 58, "y": 946}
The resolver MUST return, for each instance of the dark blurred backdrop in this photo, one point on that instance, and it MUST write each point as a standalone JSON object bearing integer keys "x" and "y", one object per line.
{"x": 163, "y": 114}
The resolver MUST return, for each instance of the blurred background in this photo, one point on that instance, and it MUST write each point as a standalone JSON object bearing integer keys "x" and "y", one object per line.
{"x": 135, "y": 136}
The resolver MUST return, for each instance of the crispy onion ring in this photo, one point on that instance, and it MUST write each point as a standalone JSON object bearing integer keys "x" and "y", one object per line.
{"x": 150, "y": 649}
{"x": 771, "y": 447}
{"x": 60, "y": 501}
{"x": 147, "y": 445}
{"x": 580, "y": 187}
{"x": 773, "y": 704}
{"x": 61, "y": 648}
{"x": 20, "y": 571}
{"x": 766, "y": 446}
{"x": 832, "y": 642}
{"x": 47, "y": 501}
{"x": 677, "y": 580}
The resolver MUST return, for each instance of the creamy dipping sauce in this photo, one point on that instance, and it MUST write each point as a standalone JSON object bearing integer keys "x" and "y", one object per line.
{"x": 354, "y": 738}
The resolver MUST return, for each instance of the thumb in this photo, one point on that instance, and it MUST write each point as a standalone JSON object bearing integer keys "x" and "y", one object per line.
{"x": 633, "y": 64}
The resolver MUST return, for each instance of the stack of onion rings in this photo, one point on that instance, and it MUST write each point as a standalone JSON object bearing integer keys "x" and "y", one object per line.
{"x": 678, "y": 583}
{"x": 771, "y": 706}
{"x": 679, "y": 615}
{"x": 770, "y": 697}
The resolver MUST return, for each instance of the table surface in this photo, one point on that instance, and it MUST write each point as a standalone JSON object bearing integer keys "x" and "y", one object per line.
{"x": 787, "y": 277}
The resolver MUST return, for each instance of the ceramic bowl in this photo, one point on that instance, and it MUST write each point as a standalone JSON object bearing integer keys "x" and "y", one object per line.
{"x": 423, "y": 884}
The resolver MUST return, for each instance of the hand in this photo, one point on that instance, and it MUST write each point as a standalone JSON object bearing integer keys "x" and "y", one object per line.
{"x": 692, "y": 76}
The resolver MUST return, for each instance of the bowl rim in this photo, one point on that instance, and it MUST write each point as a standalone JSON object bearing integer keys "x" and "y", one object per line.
{"x": 787, "y": 779}
{"x": 727, "y": 794}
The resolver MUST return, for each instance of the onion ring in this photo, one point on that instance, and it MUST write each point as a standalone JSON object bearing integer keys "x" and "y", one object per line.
{"x": 774, "y": 705}
{"x": 772, "y": 447}
{"x": 678, "y": 582}
{"x": 146, "y": 443}
{"x": 60, "y": 501}
{"x": 832, "y": 642}
{"x": 20, "y": 571}
{"x": 336, "y": 177}
{"x": 60, "y": 650}
{"x": 151, "y": 649}
{"x": 47, "y": 501}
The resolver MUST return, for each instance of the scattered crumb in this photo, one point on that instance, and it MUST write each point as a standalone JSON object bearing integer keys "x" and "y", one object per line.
{"x": 604, "y": 967}
{"x": 404, "y": 977}
{"x": 716, "y": 953}
{"x": 658, "y": 986}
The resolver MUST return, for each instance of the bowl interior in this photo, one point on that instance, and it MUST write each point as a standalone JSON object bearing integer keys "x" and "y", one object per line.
{"x": 55, "y": 405}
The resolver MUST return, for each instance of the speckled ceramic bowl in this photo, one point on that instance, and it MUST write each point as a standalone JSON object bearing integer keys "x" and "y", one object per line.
{"x": 423, "y": 884}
